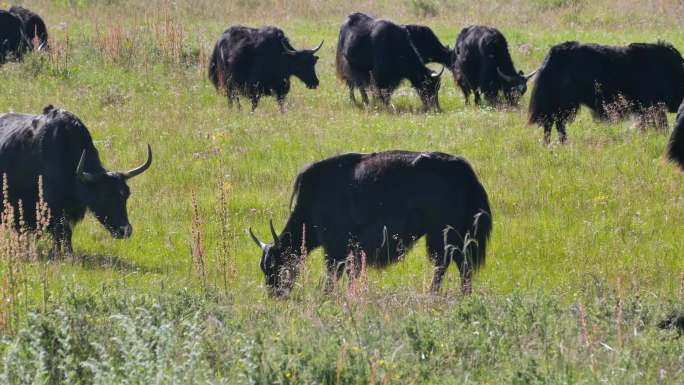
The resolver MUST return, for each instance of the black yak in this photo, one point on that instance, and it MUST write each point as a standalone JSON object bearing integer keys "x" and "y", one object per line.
{"x": 675, "y": 148}
{"x": 13, "y": 42}
{"x": 34, "y": 27}
{"x": 376, "y": 206}
{"x": 430, "y": 49}
{"x": 636, "y": 78}
{"x": 255, "y": 62}
{"x": 674, "y": 321}
{"x": 57, "y": 146}
{"x": 379, "y": 53}
{"x": 484, "y": 65}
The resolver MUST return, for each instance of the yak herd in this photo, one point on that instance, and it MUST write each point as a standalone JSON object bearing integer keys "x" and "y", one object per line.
{"x": 360, "y": 208}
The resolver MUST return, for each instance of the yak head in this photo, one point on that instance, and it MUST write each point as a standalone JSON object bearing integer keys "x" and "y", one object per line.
{"x": 278, "y": 262}
{"x": 302, "y": 64}
{"x": 429, "y": 91}
{"x": 106, "y": 193}
{"x": 514, "y": 86}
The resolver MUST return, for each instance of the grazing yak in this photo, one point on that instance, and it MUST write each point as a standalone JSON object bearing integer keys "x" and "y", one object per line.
{"x": 375, "y": 206}
{"x": 12, "y": 39}
{"x": 20, "y": 30}
{"x": 484, "y": 65}
{"x": 674, "y": 321}
{"x": 57, "y": 146}
{"x": 638, "y": 78}
{"x": 34, "y": 28}
{"x": 430, "y": 49}
{"x": 379, "y": 53}
{"x": 255, "y": 62}
{"x": 675, "y": 148}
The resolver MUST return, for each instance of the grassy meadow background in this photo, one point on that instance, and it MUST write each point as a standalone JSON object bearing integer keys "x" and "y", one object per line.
{"x": 586, "y": 255}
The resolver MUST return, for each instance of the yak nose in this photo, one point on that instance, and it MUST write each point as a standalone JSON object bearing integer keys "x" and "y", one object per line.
{"x": 123, "y": 232}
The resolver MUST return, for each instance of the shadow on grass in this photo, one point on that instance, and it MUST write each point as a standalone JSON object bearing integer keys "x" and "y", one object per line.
{"x": 102, "y": 261}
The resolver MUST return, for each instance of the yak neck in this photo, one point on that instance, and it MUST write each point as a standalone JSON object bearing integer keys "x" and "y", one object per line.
{"x": 299, "y": 235}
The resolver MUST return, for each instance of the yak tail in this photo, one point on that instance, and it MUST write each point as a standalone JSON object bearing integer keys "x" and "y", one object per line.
{"x": 480, "y": 229}
{"x": 539, "y": 100}
{"x": 215, "y": 67}
{"x": 675, "y": 148}
{"x": 296, "y": 188}
{"x": 339, "y": 57}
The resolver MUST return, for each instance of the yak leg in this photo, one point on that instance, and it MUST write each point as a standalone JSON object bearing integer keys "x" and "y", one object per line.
{"x": 364, "y": 96}
{"x": 660, "y": 118}
{"x": 464, "y": 86}
{"x": 441, "y": 256}
{"x": 334, "y": 269}
{"x": 466, "y": 270}
{"x": 232, "y": 97}
{"x": 478, "y": 101}
{"x": 61, "y": 240}
{"x": 255, "y": 102}
{"x": 452, "y": 249}
{"x": 352, "y": 98}
{"x": 466, "y": 94}
{"x": 281, "y": 103}
{"x": 229, "y": 96}
{"x": 548, "y": 125}
{"x": 385, "y": 97}
{"x": 560, "y": 127}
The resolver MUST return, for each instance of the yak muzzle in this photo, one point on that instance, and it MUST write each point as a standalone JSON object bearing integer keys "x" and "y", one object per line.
{"x": 122, "y": 232}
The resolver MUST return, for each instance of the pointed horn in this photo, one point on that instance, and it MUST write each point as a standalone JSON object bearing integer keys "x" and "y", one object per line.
{"x": 503, "y": 76}
{"x": 140, "y": 169}
{"x": 384, "y": 237}
{"x": 80, "y": 174}
{"x": 256, "y": 240}
{"x": 528, "y": 76}
{"x": 317, "y": 48}
{"x": 286, "y": 48}
{"x": 436, "y": 75}
{"x": 273, "y": 232}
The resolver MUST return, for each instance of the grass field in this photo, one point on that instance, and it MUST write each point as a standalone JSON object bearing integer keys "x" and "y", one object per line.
{"x": 586, "y": 255}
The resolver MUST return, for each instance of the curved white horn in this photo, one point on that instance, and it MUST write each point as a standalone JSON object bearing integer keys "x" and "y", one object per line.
{"x": 436, "y": 75}
{"x": 505, "y": 77}
{"x": 528, "y": 76}
{"x": 140, "y": 169}
{"x": 273, "y": 232}
{"x": 317, "y": 48}
{"x": 82, "y": 175}
{"x": 256, "y": 240}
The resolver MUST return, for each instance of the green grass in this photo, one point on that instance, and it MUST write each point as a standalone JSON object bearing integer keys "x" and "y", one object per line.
{"x": 570, "y": 222}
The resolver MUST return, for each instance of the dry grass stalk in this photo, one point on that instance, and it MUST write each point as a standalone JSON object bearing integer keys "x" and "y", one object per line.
{"x": 169, "y": 34}
{"x": 303, "y": 251}
{"x": 619, "y": 313}
{"x": 358, "y": 275}
{"x": 339, "y": 365}
{"x": 115, "y": 44}
{"x": 224, "y": 260}
{"x": 584, "y": 336}
{"x": 18, "y": 244}
{"x": 681, "y": 287}
{"x": 59, "y": 53}
{"x": 197, "y": 242}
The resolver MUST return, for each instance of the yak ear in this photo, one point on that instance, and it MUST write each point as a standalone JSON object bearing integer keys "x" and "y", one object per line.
{"x": 286, "y": 239}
